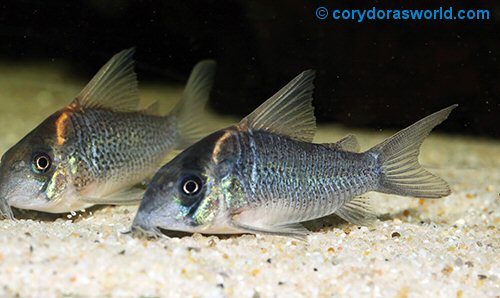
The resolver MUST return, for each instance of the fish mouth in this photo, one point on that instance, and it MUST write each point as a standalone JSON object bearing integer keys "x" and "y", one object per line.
{"x": 142, "y": 232}
{"x": 37, "y": 203}
{"x": 157, "y": 232}
{"x": 144, "y": 227}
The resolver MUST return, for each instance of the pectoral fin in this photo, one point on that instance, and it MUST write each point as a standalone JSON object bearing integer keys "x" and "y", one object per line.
{"x": 5, "y": 210}
{"x": 293, "y": 230}
{"x": 130, "y": 196}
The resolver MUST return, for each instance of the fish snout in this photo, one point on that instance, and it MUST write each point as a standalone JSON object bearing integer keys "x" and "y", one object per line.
{"x": 5, "y": 210}
{"x": 142, "y": 225}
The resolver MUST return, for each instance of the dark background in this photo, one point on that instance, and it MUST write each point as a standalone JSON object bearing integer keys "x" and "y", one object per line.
{"x": 376, "y": 74}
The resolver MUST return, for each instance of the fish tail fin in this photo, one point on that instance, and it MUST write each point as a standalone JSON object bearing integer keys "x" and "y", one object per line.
{"x": 189, "y": 113}
{"x": 401, "y": 173}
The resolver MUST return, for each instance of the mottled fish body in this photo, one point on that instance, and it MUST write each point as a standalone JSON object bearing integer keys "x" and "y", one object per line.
{"x": 264, "y": 175}
{"x": 97, "y": 148}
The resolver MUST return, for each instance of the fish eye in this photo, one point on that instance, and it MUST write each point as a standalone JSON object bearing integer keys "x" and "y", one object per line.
{"x": 191, "y": 185}
{"x": 41, "y": 162}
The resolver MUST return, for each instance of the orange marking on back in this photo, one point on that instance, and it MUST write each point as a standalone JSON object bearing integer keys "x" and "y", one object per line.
{"x": 75, "y": 105}
{"x": 219, "y": 145}
{"x": 61, "y": 124}
{"x": 62, "y": 121}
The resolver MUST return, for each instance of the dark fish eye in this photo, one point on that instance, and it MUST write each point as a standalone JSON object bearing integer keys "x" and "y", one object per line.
{"x": 41, "y": 162}
{"x": 191, "y": 185}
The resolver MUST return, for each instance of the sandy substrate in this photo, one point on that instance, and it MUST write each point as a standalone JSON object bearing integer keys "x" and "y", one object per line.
{"x": 445, "y": 248}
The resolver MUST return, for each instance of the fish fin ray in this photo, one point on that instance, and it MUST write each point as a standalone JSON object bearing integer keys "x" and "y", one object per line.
{"x": 289, "y": 112}
{"x": 189, "y": 113}
{"x": 401, "y": 173}
{"x": 114, "y": 87}
{"x": 293, "y": 230}
{"x": 347, "y": 143}
{"x": 130, "y": 196}
{"x": 5, "y": 210}
{"x": 357, "y": 211}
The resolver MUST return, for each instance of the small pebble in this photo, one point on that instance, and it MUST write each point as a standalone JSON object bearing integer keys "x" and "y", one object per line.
{"x": 395, "y": 234}
{"x": 447, "y": 270}
{"x": 470, "y": 196}
{"x": 255, "y": 272}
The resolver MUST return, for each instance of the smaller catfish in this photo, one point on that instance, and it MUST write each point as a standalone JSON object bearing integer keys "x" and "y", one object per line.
{"x": 264, "y": 175}
{"x": 98, "y": 147}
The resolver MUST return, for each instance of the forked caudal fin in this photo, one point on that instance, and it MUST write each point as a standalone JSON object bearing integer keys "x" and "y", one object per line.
{"x": 189, "y": 112}
{"x": 401, "y": 173}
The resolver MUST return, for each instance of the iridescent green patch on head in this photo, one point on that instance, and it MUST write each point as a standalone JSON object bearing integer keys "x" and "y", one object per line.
{"x": 56, "y": 185}
{"x": 206, "y": 211}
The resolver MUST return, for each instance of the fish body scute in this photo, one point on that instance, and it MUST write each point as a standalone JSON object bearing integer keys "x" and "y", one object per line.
{"x": 293, "y": 181}
{"x": 118, "y": 148}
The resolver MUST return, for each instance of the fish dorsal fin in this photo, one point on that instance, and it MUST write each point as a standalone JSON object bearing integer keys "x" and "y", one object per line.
{"x": 347, "y": 143}
{"x": 114, "y": 87}
{"x": 289, "y": 112}
{"x": 153, "y": 109}
{"x": 189, "y": 112}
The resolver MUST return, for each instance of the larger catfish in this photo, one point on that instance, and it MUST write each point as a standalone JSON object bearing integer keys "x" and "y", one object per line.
{"x": 94, "y": 150}
{"x": 264, "y": 175}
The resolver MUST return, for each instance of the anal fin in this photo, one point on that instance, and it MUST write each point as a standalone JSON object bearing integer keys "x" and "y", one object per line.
{"x": 357, "y": 211}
